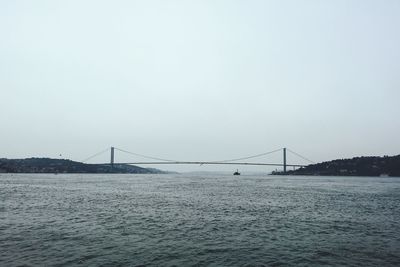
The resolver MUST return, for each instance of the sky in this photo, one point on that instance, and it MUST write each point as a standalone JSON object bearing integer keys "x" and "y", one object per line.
{"x": 200, "y": 80}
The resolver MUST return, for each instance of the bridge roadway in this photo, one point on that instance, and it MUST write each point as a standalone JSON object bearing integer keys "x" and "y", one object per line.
{"x": 205, "y": 163}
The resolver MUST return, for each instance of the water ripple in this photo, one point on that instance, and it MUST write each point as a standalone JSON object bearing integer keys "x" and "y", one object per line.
{"x": 178, "y": 220}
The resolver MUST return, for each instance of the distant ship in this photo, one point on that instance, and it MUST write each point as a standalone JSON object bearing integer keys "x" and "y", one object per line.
{"x": 236, "y": 172}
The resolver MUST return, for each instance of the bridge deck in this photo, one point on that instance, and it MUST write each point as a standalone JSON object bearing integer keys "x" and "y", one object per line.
{"x": 205, "y": 163}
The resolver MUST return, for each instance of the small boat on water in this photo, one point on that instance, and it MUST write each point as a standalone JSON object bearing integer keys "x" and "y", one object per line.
{"x": 236, "y": 172}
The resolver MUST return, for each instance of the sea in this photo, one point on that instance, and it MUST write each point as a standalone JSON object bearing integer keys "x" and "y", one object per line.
{"x": 198, "y": 220}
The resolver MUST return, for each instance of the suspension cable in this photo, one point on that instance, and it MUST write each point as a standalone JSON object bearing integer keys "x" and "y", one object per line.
{"x": 249, "y": 157}
{"x": 172, "y": 160}
{"x": 300, "y": 156}
{"x": 143, "y": 156}
{"x": 95, "y": 155}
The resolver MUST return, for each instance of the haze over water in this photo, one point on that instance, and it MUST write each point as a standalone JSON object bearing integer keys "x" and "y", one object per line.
{"x": 184, "y": 220}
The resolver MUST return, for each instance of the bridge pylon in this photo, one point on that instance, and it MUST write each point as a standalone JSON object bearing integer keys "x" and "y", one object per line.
{"x": 112, "y": 158}
{"x": 284, "y": 160}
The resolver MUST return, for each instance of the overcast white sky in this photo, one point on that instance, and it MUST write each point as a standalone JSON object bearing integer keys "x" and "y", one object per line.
{"x": 199, "y": 80}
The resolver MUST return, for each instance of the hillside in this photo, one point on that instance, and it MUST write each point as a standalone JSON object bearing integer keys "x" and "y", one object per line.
{"x": 359, "y": 166}
{"x": 47, "y": 165}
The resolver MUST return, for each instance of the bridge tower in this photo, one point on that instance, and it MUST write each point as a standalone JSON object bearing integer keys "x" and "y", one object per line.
{"x": 284, "y": 160}
{"x": 112, "y": 158}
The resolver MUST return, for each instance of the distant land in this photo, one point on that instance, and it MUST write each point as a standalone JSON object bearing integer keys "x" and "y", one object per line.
{"x": 48, "y": 165}
{"x": 358, "y": 166}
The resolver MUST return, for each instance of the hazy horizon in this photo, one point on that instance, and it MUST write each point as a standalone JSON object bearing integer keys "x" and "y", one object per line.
{"x": 204, "y": 80}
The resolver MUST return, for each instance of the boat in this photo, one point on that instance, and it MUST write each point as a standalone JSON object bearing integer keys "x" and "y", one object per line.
{"x": 236, "y": 172}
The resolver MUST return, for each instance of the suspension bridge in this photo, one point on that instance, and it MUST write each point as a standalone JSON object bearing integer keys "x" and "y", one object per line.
{"x": 150, "y": 160}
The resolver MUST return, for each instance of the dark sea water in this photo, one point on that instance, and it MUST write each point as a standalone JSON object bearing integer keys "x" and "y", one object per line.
{"x": 184, "y": 220}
